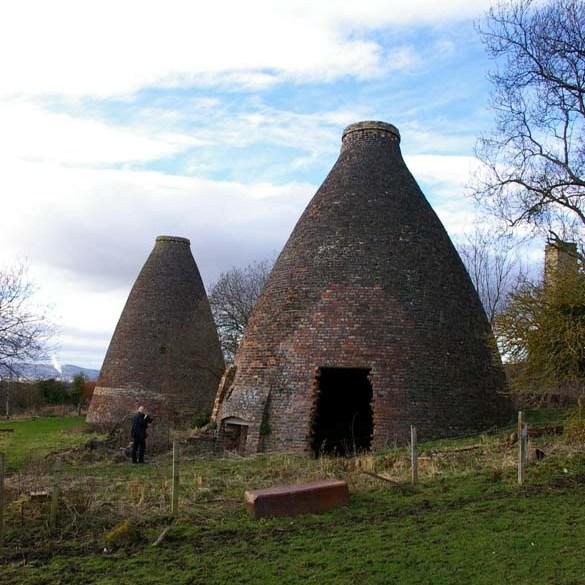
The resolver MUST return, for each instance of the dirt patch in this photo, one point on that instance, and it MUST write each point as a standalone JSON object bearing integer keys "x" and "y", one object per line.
{"x": 567, "y": 481}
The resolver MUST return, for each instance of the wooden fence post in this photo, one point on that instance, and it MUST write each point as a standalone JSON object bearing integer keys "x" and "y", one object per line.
{"x": 1, "y": 498}
{"x": 55, "y": 496}
{"x": 520, "y": 422}
{"x": 175, "y": 488}
{"x": 413, "y": 455}
{"x": 522, "y": 447}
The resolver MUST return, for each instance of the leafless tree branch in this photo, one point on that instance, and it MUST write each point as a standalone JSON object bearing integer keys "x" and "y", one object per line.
{"x": 493, "y": 266}
{"x": 232, "y": 299}
{"x": 24, "y": 330}
{"x": 534, "y": 161}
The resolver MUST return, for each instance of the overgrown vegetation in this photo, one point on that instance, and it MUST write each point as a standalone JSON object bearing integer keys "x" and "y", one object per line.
{"x": 575, "y": 424}
{"x": 466, "y": 522}
{"x": 201, "y": 420}
{"x": 542, "y": 331}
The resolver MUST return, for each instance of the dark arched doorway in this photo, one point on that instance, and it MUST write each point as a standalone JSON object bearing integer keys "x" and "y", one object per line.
{"x": 343, "y": 419}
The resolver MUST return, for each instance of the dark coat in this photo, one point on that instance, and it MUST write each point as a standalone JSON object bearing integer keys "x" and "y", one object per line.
{"x": 139, "y": 426}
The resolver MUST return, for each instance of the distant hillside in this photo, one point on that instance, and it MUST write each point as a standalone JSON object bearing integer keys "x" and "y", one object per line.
{"x": 45, "y": 371}
{"x": 69, "y": 371}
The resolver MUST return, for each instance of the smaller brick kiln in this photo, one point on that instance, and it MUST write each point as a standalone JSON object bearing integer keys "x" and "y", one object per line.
{"x": 368, "y": 324}
{"x": 165, "y": 351}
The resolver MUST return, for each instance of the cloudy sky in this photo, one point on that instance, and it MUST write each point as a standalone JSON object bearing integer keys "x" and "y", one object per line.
{"x": 215, "y": 121}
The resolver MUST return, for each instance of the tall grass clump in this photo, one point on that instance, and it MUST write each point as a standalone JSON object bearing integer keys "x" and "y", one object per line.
{"x": 574, "y": 429}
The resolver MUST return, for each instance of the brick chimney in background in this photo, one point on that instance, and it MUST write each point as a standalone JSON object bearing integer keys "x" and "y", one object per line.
{"x": 559, "y": 257}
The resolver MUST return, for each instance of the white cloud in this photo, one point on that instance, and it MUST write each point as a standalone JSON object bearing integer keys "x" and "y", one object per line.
{"x": 113, "y": 48}
{"x": 85, "y": 318}
{"x": 87, "y": 232}
{"x": 100, "y": 224}
{"x": 444, "y": 181}
{"x": 90, "y": 230}
{"x": 76, "y": 201}
{"x": 32, "y": 133}
{"x": 451, "y": 170}
{"x": 378, "y": 13}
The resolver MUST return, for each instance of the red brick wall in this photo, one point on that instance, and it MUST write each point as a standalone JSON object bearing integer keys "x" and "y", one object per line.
{"x": 165, "y": 351}
{"x": 368, "y": 279}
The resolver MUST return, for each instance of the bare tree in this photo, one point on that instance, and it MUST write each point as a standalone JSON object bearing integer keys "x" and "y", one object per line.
{"x": 534, "y": 161}
{"x": 24, "y": 329}
{"x": 493, "y": 267}
{"x": 232, "y": 300}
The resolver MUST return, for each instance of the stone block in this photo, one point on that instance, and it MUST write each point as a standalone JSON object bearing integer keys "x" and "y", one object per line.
{"x": 291, "y": 500}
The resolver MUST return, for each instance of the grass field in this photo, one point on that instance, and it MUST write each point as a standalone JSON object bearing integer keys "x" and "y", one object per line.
{"x": 467, "y": 522}
{"x": 34, "y": 438}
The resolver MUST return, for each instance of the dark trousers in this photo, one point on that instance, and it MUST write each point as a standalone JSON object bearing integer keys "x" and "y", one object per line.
{"x": 138, "y": 446}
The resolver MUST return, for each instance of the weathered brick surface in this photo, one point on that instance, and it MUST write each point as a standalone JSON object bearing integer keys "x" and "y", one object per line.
{"x": 368, "y": 279}
{"x": 291, "y": 500}
{"x": 559, "y": 258}
{"x": 165, "y": 352}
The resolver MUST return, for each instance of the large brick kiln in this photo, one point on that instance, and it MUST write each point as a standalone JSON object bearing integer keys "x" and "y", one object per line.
{"x": 368, "y": 324}
{"x": 165, "y": 351}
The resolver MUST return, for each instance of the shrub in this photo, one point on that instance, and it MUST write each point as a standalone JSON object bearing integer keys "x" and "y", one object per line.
{"x": 200, "y": 420}
{"x": 54, "y": 391}
{"x": 126, "y": 532}
{"x": 575, "y": 424}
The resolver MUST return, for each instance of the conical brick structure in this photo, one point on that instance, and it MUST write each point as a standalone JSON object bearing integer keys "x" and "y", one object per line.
{"x": 368, "y": 324}
{"x": 165, "y": 352}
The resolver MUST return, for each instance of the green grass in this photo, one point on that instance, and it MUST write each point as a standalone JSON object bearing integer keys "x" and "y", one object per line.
{"x": 467, "y": 522}
{"x": 33, "y": 439}
{"x": 547, "y": 416}
{"x": 452, "y": 533}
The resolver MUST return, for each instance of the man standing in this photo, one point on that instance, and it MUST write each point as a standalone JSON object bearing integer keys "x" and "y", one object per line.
{"x": 140, "y": 423}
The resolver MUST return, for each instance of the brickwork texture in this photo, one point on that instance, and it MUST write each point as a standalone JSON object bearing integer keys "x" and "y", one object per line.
{"x": 368, "y": 279}
{"x": 165, "y": 352}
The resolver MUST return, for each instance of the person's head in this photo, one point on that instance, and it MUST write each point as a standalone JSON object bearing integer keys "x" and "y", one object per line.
{"x": 141, "y": 409}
